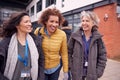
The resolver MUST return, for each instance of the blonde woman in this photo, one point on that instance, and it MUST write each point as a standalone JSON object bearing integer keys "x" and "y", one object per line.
{"x": 87, "y": 53}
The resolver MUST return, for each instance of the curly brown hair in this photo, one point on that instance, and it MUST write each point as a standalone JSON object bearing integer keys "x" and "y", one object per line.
{"x": 47, "y": 13}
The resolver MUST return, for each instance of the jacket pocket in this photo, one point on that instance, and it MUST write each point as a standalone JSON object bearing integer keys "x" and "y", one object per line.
{"x": 99, "y": 73}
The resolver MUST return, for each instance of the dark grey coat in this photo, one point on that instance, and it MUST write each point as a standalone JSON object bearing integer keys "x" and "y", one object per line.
{"x": 96, "y": 58}
{"x": 3, "y": 56}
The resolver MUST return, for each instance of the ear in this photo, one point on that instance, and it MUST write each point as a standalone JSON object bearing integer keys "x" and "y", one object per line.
{"x": 17, "y": 27}
{"x": 46, "y": 22}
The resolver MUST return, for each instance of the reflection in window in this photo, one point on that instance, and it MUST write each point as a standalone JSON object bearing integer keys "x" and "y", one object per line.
{"x": 77, "y": 20}
{"x": 39, "y": 5}
{"x": 5, "y": 15}
{"x": 63, "y": 3}
{"x": 50, "y": 2}
{"x": 28, "y": 11}
{"x": 76, "y": 26}
{"x": 76, "y": 16}
{"x": 70, "y": 17}
{"x": 74, "y": 21}
{"x": 32, "y": 11}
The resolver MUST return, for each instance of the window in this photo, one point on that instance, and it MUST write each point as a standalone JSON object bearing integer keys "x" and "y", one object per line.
{"x": 28, "y": 11}
{"x": 118, "y": 12}
{"x": 70, "y": 17}
{"x": 74, "y": 21}
{"x": 63, "y": 3}
{"x": 5, "y": 15}
{"x": 39, "y": 5}
{"x": 76, "y": 26}
{"x": 0, "y": 14}
{"x": 50, "y": 2}
{"x": 32, "y": 11}
{"x": 77, "y": 16}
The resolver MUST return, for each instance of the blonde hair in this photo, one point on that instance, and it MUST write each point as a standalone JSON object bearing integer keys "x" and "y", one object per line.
{"x": 90, "y": 15}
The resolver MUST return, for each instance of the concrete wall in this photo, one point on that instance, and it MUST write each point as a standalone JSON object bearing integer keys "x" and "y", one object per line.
{"x": 73, "y": 4}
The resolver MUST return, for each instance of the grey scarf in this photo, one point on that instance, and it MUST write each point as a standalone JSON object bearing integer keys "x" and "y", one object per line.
{"x": 12, "y": 57}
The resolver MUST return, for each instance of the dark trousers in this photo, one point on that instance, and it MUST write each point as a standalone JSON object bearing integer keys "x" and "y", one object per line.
{"x": 53, "y": 76}
{"x": 69, "y": 75}
{"x": 84, "y": 78}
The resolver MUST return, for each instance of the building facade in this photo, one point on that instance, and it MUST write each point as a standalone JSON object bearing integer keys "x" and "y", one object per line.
{"x": 107, "y": 10}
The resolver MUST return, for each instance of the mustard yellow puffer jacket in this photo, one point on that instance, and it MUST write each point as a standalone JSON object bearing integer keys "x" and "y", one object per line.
{"x": 54, "y": 48}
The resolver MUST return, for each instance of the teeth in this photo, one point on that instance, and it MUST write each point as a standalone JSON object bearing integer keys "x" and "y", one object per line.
{"x": 52, "y": 27}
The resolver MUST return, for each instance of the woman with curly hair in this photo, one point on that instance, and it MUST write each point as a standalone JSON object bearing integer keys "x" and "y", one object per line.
{"x": 54, "y": 44}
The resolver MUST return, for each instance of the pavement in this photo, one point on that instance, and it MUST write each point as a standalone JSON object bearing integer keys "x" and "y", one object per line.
{"x": 112, "y": 71}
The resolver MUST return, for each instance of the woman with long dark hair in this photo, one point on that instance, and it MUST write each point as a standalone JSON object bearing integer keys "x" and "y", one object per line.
{"x": 19, "y": 54}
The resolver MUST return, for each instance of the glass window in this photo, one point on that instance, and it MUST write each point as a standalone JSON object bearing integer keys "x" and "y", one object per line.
{"x": 39, "y": 5}
{"x": 118, "y": 9}
{"x": 32, "y": 11}
{"x": 77, "y": 20}
{"x": 50, "y": 2}
{"x": 70, "y": 17}
{"x": 76, "y": 16}
{"x": 76, "y": 26}
{"x": 63, "y": 3}
{"x": 74, "y": 21}
{"x": 28, "y": 11}
{"x": 6, "y": 15}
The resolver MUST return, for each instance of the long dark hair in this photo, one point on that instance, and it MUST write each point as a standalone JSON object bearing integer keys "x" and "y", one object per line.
{"x": 9, "y": 27}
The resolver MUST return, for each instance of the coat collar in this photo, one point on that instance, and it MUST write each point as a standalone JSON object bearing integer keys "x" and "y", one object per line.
{"x": 78, "y": 35}
{"x": 42, "y": 31}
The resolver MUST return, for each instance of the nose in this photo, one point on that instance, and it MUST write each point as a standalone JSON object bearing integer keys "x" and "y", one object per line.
{"x": 84, "y": 22}
{"x": 30, "y": 23}
{"x": 55, "y": 24}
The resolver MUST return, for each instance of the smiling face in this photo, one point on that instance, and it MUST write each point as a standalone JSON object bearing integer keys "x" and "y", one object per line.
{"x": 25, "y": 25}
{"x": 87, "y": 23}
{"x": 52, "y": 24}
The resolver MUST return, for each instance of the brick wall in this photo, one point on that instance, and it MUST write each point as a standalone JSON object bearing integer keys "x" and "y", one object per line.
{"x": 110, "y": 28}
